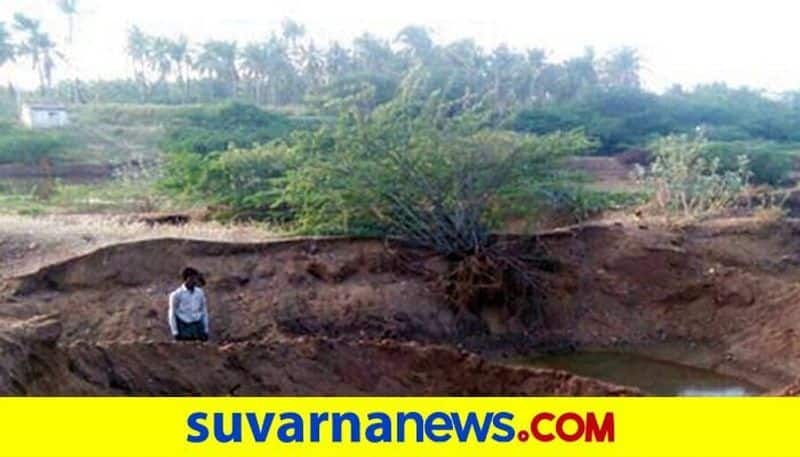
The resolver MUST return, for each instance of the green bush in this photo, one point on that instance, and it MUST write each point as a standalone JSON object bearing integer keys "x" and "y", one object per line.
{"x": 19, "y": 145}
{"x": 617, "y": 118}
{"x": 770, "y": 162}
{"x": 208, "y": 129}
{"x": 687, "y": 183}
{"x": 408, "y": 169}
{"x": 239, "y": 182}
{"x": 620, "y": 118}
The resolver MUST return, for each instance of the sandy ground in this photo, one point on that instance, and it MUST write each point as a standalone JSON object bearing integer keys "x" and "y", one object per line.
{"x": 29, "y": 242}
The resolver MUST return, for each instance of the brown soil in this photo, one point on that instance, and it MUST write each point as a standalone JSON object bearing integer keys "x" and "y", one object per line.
{"x": 280, "y": 366}
{"x": 345, "y": 316}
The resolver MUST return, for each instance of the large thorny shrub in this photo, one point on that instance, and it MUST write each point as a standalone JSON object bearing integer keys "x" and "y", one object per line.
{"x": 418, "y": 171}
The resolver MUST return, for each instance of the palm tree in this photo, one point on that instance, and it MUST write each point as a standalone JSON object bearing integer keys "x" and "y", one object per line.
{"x": 578, "y": 75}
{"x": 70, "y": 9}
{"x": 537, "y": 63}
{"x": 7, "y": 53}
{"x": 160, "y": 58}
{"x": 313, "y": 67}
{"x": 622, "y": 68}
{"x": 139, "y": 51}
{"x": 292, "y": 31}
{"x": 255, "y": 66}
{"x": 509, "y": 71}
{"x": 281, "y": 73}
{"x": 181, "y": 56}
{"x": 217, "y": 59}
{"x": 417, "y": 40}
{"x": 338, "y": 62}
{"x": 373, "y": 55}
{"x": 38, "y": 46}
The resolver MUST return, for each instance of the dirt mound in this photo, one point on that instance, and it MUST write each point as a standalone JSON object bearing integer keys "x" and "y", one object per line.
{"x": 331, "y": 287}
{"x": 34, "y": 365}
{"x": 315, "y": 366}
{"x": 24, "y": 347}
{"x": 727, "y": 291}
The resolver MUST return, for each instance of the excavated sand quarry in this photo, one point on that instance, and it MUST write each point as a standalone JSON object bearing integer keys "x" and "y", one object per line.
{"x": 347, "y": 316}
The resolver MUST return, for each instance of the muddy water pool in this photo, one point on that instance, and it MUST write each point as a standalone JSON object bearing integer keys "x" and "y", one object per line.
{"x": 652, "y": 376}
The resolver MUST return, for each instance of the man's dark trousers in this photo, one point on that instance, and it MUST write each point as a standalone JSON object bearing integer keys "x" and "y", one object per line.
{"x": 191, "y": 331}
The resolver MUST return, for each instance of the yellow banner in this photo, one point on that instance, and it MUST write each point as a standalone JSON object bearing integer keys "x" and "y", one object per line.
{"x": 385, "y": 427}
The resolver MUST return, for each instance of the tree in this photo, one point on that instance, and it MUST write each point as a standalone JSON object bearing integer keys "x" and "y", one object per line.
{"x": 70, "y": 9}
{"x": 622, "y": 68}
{"x": 417, "y": 41}
{"x": 160, "y": 57}
{"x": 411, "y": 169}
{"x": 338, "y": 62}
{"x": 269, "y": 68}
{"x": 537, "y": 62}
{"x": 255, "y": 67}
{"x": 138, "y": 48}
{"x": 373, "y": 55}
{"x": 181, "y": 56}
{"x": 510, "y": 78}
{"x": 292, "y": 31}
{"x": 218, "y": 60}
{"x": 579, "y": 74}
{"x": 7, "y": 53}
{"x": 313, "y": 67}
{"x": 37, "y": 46}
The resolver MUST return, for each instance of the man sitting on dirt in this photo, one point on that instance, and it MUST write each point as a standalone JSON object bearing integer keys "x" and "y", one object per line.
{"x": 188, "y": 311}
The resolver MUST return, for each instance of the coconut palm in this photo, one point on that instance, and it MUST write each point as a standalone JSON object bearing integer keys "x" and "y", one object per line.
{"x": 138, "y": 49}
{"x": 417, "y": 41}
{"x": 292, "y": 32}
{"x": 313, "y": 67}
{"x": 70, "y": 9}
{"x": 217, "y": 59}
{"x": 38, "y": 47}
{"x": 181, "y": 56}
{"x": 372, "y": 54}
{"x": 7, "y": 53}
{"x": 338, "y": 62}
{"x": 160, "y": 58}
{"x": 255, "y": 67}
{"x": 622, "y": 68}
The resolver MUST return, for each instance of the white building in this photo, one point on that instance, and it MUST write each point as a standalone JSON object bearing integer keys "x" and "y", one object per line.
{"x": 43, "y": 116}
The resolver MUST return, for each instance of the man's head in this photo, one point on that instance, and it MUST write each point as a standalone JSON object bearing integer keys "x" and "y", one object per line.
{"x": 192, "y": 278}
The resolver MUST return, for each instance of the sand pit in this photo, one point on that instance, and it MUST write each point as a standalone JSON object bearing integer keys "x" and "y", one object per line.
{"x": 344, "y": 316}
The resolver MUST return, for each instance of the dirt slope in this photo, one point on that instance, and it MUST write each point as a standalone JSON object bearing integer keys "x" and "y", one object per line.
{"x": 347, "y": 316}
{"x": 730, "y": 289}
{"x": 34, "y": 364}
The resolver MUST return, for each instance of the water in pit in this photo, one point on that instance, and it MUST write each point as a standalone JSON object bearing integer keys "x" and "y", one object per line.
{"x": 653, "y": 377}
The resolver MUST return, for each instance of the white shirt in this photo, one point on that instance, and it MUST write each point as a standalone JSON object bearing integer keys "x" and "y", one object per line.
{"x": 188, "y": 306}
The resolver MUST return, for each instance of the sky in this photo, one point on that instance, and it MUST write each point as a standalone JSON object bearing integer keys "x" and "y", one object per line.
{"x": 742, "y": 42}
